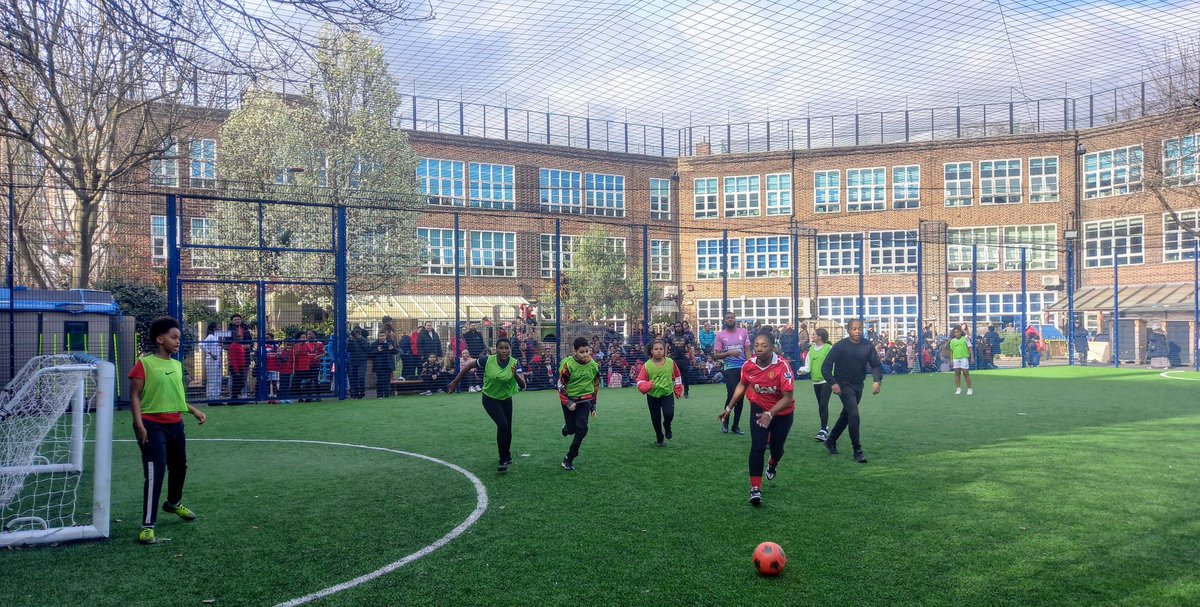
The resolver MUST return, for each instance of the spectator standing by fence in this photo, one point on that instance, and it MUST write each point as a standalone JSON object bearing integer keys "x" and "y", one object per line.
{"x": 383, "y": 361}
{"x": 429, "y": 343}
{"x": 1080, "y": 336}
{"x": 706, "y": 337}
{"x": 211, "y": 347}
{"x": 358, "y": 349}
{"x": 474, "y": 341}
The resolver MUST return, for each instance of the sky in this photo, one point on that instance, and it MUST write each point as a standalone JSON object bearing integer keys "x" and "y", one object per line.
{"x": 708, "y": 62}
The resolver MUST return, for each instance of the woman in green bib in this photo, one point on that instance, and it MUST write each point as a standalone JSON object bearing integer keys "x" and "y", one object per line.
{"x": 817, "y": 352}
{"x": 501, "y": 380}
{"x": 660, "y": 380}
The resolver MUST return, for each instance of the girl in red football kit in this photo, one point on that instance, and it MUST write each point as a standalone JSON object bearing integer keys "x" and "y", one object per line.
{"x": 767, "y": 381}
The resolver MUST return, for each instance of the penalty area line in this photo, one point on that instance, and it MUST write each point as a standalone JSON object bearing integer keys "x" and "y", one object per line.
{"x": 1167, "y": 374}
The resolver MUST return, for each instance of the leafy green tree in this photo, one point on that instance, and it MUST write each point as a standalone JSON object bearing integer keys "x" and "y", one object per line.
{"x": 600, "y": 284}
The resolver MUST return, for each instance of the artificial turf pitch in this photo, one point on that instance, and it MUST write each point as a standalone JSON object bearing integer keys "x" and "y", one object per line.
{"x": 1048, "y": 487}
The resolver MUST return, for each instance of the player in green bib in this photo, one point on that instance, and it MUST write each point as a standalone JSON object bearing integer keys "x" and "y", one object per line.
{"x": 960, "y": 360}
{"x": 817, "y": 351}
{"x": 661, "y": 382}
{"x": 501, "y": 380}
{"x": 158, "y": 401}
{"x": 578, "y": 385}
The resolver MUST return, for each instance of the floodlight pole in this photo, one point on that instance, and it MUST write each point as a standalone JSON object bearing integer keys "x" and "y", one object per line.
{"x": 975, "y": 300}
{"x": 1071, "y": 301}
{"x": 340, "y": 342}
{"x": 1116, "y": 330}
{"x": 10, "y": 279}
{"x": 645, "y": 283}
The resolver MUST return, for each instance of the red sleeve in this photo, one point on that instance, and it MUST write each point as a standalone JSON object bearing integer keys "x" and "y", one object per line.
{"x": 138, "y": 371}
{"x": 788, "y": 382}
{"x": 677, "y": 380}
{"x": 642, "y": 375}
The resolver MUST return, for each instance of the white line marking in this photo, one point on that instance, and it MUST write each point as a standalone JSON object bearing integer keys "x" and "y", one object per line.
{"x": 481, "y": 504}
{"x": 1167, "y": 374}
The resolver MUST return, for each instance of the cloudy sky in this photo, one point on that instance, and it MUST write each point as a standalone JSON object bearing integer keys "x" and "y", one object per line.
{"x": 709, "y": 61}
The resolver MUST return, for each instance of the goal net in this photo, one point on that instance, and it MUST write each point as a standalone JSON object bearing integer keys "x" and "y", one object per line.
{"x": 46, "y": 414}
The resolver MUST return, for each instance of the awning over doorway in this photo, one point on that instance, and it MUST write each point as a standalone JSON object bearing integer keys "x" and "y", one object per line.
{"x": 371, "y": 308}
{"x": 1133, "y": 298}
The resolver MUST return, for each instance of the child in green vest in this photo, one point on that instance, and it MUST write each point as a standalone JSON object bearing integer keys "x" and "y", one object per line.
{"x": 158, "y": 400}
{"x": 662, "y": 383}
{"x": 817, "y": 351}
{"x": 501, "y": 380}
{"x": 960, "y": 360}
{"x": 578, "y": 385}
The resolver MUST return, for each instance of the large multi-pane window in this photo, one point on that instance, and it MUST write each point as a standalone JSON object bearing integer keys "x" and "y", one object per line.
{"x": 768, "y": 256}
{"x": 1180, "y": 160}
{"x": 704, "y": 198}
{"x": 840, "y": 309}
{"x": 774, "y": 311}
{"x": 985, "y": 240}
{"x": 202, "y": 172}
{"x": 827, "y": 191}
{"x": 866, "y": 189}
{"x": 204, "y": 232}
{"x": 1043, "y": 179}
{"x": 838, "y": 254}
{"x": 492, "y": 186}
{"x": 565, "y": 255}
{"x": 1103, "y": 239}
{"x": 742, "y": 196}
{"x": 990, "y": 308}
{"x": 560, "y": 191}
{"x": 493, "y": 253}
{"x": 441, "y": 181}
{"x": 158, "y": 239}
{"x": 605, "y": 194}
{"x": 906, "y": 187}
{"x": 1000, "y": 181}
{"x": 893, "y": 251}
{"x": 779, "y": 194}
{"x": 894, "y": 314}
{"x": 439, "y": 251}
{"x": 660, "y": 199}
{"x": 165, "y": 171}
{"x": 660, "y": 260}
{"x": 1112, "y": 172}
{"x": 1178, "y": 243}
{"x": 1040, "y": 243}
{"x": 709, "y": 254}
{"x": 957, "y": 187}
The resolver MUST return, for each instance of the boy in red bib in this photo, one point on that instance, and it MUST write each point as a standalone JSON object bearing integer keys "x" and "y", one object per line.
{"x": 767, "y": 381}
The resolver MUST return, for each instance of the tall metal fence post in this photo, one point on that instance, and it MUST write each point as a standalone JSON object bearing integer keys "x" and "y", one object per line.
{"x": 974, "y": 301}
{"x": 341, "y": 360}
{"x": 1025, "y": 355}
{"x": 262, "y": 391}
{"x": 861, "y": 311}
{"x": 920, "y": 337}
{"x": 1196, "y": 306}
{"x": 724, "y": 274}
{"x": 10, "y": 280}
{"x": 1071, "y": 301}
{"x": 457, "y": 295}
{"x": 558, "y": 290}
{"x": 796, "y": 295}
{"x": 1116, "y": 326}
{"x": 645, "y": 283}
{"x": 174, "y": 305}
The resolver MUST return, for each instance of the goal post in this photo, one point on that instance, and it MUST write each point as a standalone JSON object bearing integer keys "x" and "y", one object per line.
{"x": 45, "y": 414}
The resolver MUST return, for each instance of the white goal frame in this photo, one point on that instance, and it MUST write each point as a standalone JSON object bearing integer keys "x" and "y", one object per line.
{"x": 102, "y": 401}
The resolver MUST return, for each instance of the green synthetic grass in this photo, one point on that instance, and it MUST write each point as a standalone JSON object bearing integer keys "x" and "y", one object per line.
{"x": 1049, "y": 487}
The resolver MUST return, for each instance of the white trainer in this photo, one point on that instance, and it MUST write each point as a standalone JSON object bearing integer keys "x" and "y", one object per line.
{"x": 970, "y": 391}
{"x": 957, "y": 391}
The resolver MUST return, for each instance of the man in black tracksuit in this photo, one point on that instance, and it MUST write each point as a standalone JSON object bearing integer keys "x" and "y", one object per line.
{"x": 845, "y": 368}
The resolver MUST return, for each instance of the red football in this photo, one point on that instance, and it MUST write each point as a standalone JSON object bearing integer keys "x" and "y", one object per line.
{"x": 769, "y": 559}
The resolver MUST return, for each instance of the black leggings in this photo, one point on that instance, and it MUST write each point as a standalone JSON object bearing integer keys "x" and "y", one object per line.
{"x": 732, "y": 378}
{"x": 577, "y": 424}
{"x": 662, "y": 412}
{"x": 501, "y": 412}
{"x": 849, "y": 418}
{"x": 163, "y": 455}
{"x": 773, "y": 436}
{"x": 823, "y": 391}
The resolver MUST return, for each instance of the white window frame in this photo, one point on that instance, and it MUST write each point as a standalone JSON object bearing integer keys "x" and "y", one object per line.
{"x": 1003, "y": 186}
{"x": 201, "y": 233}
{"x": 843, "y": 260}
{"x": 442, "y": 264}
{"x": 660, "y": 260}
{"x": 202, "y": 168}
{"x": 1182, "y": 167}
{"x": 1043, "y": 183}
{"x": 438, "y": 188}
{"x": 889, "y": 258}
{"x": 866, "y": 196}
{"x": 1042, "y": 246}
{"x": 486, "y": 192}
{"x": 547, "y": 253}
{"x": 604, "y": 194}
{"x": 165, "y": 171}
{"x": 705, "y": 198}
{"x": 779, "y": 194}
{"x": 1112, "y": 172}
{"x": 660, "y": 198}
{"x": 773, "y": 311}
{"x": 896, "y": 314}
{"x": 560, "y": 191}
{"x": 504, "y": 259}
{"x": 768, "y": 256}
{"x": 953, "y": 189}
{"x": 158, "y": 239}
{"x": 838, "y": 308}
{"x": 994, "y": 307}
{"x": 958, "y": 248}
{"x": 906, "y": 194}
{"x": 708, "y": 262}
{"x": 1094, "y": 255}
{"x": 827, "y": 198}
{"x": 1178, "y": 245}
{"x": 743, "y": 196}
